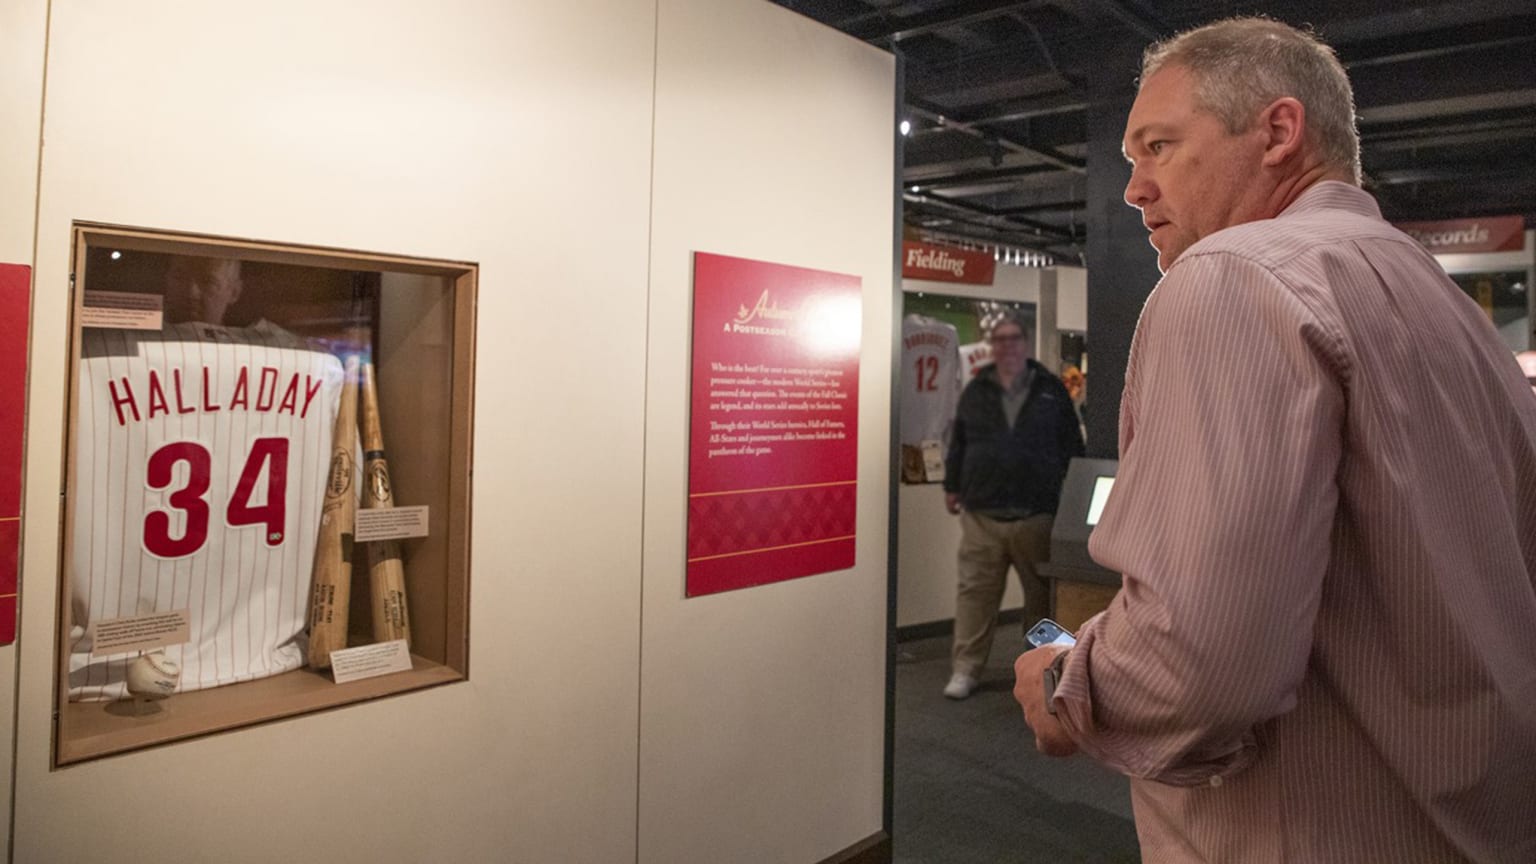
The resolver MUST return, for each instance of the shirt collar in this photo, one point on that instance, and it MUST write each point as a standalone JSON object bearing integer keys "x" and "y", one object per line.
{"x": 1334, "y": 195}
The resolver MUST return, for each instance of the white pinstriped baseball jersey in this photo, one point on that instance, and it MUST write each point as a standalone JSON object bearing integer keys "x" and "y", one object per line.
{"x": 930, "y": 379}
{"x": 200, "y": 469}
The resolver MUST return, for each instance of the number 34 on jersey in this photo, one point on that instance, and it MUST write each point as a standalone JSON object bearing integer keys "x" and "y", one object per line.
{"x": 184, "y": 469}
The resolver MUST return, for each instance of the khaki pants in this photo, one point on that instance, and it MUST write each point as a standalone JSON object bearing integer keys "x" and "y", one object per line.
{"x": 987, "y": 547}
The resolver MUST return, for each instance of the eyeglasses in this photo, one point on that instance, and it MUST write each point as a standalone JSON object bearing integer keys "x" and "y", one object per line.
{"x": 1003, "y": 340}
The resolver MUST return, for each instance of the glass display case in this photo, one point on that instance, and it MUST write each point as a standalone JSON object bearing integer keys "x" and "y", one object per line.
{"x": 240, "y": 543}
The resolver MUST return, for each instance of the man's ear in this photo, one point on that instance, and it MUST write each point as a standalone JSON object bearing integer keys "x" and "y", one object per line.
{"x": 1284, "y": 124}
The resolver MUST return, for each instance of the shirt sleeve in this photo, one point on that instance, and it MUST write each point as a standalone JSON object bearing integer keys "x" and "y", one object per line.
{"x": 1219, "y": 523}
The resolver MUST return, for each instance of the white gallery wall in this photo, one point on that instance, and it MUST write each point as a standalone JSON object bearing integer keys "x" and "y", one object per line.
{"x": 773, "y": 142}
{"x": 928, "y": 537}
{"x": 22, "y": 30}
{"x": 606, "y": 719}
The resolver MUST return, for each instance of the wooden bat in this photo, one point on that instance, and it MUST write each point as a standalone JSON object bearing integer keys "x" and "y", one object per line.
{"x": 386, "y": 574}
{"x": 332, "y": 589}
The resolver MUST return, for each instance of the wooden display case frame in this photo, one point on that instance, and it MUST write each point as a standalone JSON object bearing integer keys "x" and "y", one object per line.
{"x": 431, "y": 460}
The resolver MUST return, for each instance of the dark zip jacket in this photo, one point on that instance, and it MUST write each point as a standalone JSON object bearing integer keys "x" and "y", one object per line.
{"x": 993, "y": 467}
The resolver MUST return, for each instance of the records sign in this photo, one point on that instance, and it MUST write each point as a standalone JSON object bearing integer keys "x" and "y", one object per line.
{"x": 1483, "y": 234}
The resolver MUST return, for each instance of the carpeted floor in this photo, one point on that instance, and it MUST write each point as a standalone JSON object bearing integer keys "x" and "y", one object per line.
{"x": 970, "y": 786}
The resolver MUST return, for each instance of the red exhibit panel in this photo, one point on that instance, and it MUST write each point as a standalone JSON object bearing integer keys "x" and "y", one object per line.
{"x": 773, "y": 423}
{"x": 15, "y": 297}
{"x": 10, "y": 547}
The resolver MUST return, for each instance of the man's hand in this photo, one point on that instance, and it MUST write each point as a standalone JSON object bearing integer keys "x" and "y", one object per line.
{"x": 1051, "y": 737}
{"x": 952, "y": 502}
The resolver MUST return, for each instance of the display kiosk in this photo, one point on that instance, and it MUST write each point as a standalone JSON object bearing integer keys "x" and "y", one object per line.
{"x": 1080, "y": 588}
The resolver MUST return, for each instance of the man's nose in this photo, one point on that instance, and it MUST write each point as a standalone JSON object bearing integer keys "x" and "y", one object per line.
{"x": 1140, "y": 191}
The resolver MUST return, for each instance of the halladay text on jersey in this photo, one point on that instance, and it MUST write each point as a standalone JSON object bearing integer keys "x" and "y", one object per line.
{"x": 191, "y": 398}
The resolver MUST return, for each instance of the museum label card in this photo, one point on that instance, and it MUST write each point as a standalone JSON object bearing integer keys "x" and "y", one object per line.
{"x": 140, "y": 633}
{"x": 122, "y": 310}
{"x": 370, "y": 661}
{"x": 390, "y": 523}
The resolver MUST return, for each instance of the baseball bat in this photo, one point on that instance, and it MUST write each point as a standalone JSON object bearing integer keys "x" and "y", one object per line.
{"x": 386, "y": 574}
{"x": 332, "y": 589}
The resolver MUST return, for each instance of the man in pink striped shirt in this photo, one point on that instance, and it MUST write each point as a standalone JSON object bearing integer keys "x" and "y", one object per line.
{"x": 1324, "y": 649}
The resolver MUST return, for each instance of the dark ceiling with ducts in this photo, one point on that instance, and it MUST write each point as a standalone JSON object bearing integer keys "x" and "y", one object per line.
{"x": 999, "y": 96}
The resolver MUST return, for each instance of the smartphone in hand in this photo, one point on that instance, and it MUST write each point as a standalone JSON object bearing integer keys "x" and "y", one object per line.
{"x": 1048, "y": 632}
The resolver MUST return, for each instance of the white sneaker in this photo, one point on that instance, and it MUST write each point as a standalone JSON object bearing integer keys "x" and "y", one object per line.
{"x": 960, "y": 686}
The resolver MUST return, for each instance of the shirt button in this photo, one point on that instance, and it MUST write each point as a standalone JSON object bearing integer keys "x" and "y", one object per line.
{"x": 1216, "y": 782}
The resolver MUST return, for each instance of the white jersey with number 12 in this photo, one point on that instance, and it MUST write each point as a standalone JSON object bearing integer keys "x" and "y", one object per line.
{"x": 930, "y": 379}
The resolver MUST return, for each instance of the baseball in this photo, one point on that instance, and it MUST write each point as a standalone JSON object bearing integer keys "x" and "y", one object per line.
{"x": 153, "y": 675}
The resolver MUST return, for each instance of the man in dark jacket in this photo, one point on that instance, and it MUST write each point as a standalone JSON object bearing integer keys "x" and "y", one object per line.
{"x": 1014, "y": 433}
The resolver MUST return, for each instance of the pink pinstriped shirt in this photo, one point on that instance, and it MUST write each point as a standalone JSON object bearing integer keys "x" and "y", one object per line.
{"x": 1325, "y": 647}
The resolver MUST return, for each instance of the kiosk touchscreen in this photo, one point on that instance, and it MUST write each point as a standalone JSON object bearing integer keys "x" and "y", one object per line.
{"x": 1101, "y": 487}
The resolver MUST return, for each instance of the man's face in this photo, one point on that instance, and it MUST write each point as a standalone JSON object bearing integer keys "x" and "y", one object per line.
{"x": 201, "y": 289}
{"x": 1009, "y": 348}
{"x": 1189, "y": 177}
